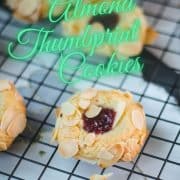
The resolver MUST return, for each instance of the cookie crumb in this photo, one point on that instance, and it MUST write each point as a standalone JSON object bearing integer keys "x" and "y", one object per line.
{"x": 42, "y": 153}
{"x": 100, "y": 177}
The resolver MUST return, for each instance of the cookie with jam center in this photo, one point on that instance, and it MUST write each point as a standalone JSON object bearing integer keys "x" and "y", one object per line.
{"x": 115, "y": 22}
{"x": 101, "y": 127}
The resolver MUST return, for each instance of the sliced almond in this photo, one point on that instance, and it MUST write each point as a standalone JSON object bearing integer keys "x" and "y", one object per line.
{"x": 73, "y": 122}
{"x": 4, "y": 85}
{"x": 18, "y": 97}
{"x": 3, "y": 146}
{"x": 36, "y": 15}
{"x": 104, "y": 154}
{"x": 119, "y": 108}
{"x": 60, "y": 123}
{"x": 68, "y": 148}
{"x": 55, "y": 134}
{"x": 17, "y": 125}
{"x": 84, "y": 103}
{"x": 69, "y": 132}
{"x": 12, "y": 3}
{"x": 58, "y": 126}
{"x": 8, "y": 117}
{"x": 128, "y": 95}
{"x": 89, "y": 94}
{"x": 143, "y": 138}
{"x": 93, "y": 111}
{"x": 138, "y": 119}
{"x": 68, "y": 109}
{"x": 93, "y": 162}
{"x": 32, "y": 6}
{"x": 90, "y": 139}
{"x": 81, "y": 141}
{"x": 117, "y": 151}
{"x": 127, "y": 157}
{"x": 58, "y": 112}
{"x": 132, "y": 144}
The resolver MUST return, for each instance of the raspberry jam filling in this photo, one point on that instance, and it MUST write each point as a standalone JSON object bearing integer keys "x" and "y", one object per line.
{"x": 100, "y": 124}
{"x": 108, "y": 20}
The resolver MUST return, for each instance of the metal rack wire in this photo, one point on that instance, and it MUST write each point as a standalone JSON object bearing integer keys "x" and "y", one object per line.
{"x": 159, "y": 158}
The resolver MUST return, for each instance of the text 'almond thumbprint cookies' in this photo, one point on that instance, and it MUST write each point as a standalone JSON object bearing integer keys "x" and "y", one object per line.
{"x": 101, "y": 127}
{"x": 12, "y": 114}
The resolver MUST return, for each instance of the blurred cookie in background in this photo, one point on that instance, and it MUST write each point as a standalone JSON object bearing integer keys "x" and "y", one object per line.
{"x": 32, "y": 10}
{"x": 12, "y": 114}
{"x": 123, "y": 20}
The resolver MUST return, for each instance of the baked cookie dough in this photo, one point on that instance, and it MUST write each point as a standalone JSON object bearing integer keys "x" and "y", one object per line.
{"x": 32, "y": 10}
{"x": 12, "y": 114}
{"x": 123, "y": 20}
{"x": 100, "y": 127}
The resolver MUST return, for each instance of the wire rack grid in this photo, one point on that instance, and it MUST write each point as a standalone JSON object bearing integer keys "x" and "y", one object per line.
{"x": 32, "y": 156}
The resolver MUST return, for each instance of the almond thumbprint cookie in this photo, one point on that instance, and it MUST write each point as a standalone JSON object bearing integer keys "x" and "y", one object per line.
{"x": 12, "y": 114}
{"x": 33, "y": 10}
{"x": 125, "y": 33}
{"x": 100, "y": 127}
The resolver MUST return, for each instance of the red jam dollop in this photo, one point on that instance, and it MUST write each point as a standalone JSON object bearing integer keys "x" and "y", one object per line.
{"x": 100, "y": 124}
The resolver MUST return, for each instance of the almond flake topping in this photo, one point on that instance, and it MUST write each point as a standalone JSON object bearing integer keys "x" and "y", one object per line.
{"x": 89, "y": 94}
{"x": 93, "y": 162}
{"x": 4, "y": 85}
{"x": 101, "y": 177}
{"x": 58, "y": 112}
{"x": 56, "y": 130}
{"x": 138, "y": 119}
{"x": 12, "y": 4}
{"x": 84, "y": 103}
{"x": 18, "y": 97}
{"x": 93, "y": 111}
{"x": 117, "y": 150}
{"x": 32, "y": 6}
{"x": 104, "y": 154}
{"x": 73, "y": 122}
{"x": 128, "y": 94}
{"x": 90, "y": 139}
{"x": 119, "y": 109}
{"x": 68, "y": 109}
{"x": 3, "y": 146}
{"x": 17, "y": 125}
{"x": 68, "y": 148}
{"x": 69, "y": 132}
{"x": 8, "y": 117}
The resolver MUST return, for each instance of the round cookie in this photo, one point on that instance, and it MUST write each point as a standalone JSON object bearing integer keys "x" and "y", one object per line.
{"x": 101, "y": 127}
{"x": 112, "y": 21}
{"x": 32, "y": 10}
{"x": 12, "y": 114}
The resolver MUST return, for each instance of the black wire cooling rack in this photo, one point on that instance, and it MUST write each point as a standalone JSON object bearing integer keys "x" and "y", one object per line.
{"x": 33, "y": 156}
